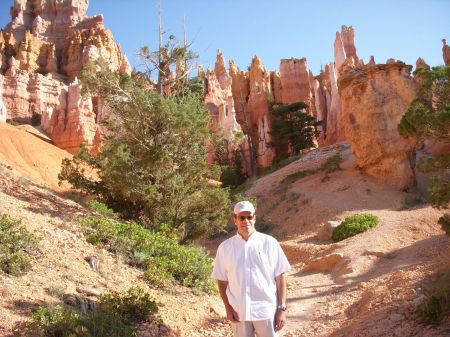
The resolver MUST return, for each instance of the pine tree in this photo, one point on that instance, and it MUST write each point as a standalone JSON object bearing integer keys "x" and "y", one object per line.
{"x": 293, "y": 127}
{"x": 152, "y": 165}
{"x": 428, "y": 117}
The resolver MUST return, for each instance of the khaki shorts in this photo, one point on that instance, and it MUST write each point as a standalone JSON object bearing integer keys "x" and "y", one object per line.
{"x": 250, "y": 328}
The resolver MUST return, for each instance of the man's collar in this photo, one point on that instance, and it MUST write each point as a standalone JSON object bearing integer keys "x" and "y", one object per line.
{"x": 251, "y": 235}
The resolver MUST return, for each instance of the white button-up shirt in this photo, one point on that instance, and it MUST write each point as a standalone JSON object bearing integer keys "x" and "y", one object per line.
{"x": 250, "y": 268}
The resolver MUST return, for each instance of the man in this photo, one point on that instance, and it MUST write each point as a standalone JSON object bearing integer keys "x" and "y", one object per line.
{"x": 250, "y": 270}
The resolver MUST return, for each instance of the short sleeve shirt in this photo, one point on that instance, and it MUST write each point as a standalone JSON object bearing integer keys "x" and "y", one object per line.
{"x": 250, "y": 268}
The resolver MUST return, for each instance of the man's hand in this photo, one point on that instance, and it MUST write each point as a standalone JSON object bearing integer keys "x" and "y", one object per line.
{"x": 232, "y": 314}
{"x": 280, "y": 319}
{"x": 280, "y": 315}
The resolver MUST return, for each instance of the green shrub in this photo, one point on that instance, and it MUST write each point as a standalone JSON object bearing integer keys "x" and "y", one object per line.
{"x": 431, "y": 310}
{"x": 133, "y": 306}
{"x": 36, "y": 119}
{"x": 101, "y": 208}
{"x": 444, "y": 221}
{"x": 164, "y": 259}
{"x": 15, "y": 243}
{"x": 55, "y": 321}
{"x": 437, "y": 306}
{"x": 56, "y": 290}
{"x": 298, "y": 175}
{"x": 410, "y": 201}
{"x": 232, "y": 176}
{"x": 329, "y": 166}
{"x": 332, "y": 163}
{"x": 12, "y": 122}
{"x": 99, "y": 324}
{"x": 116, "y": 315}
{"x": 353, "y": 225}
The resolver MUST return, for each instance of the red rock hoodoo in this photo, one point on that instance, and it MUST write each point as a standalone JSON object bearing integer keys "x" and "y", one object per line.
{"x": 42, "y": 51}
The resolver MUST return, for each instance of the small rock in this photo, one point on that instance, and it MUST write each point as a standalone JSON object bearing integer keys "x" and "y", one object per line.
{"x": 396, "y": 317}
{"x": 327, "y": 229}
{"x": 390, "y": 255}
{"x": 73, "y": 300}
{"x": 362, "y": 285}
{"x": 375, "y": 253}
{"x": 88, "y": 291}
{"x": 326, "y": 263}
{"x": 93, "y": 262}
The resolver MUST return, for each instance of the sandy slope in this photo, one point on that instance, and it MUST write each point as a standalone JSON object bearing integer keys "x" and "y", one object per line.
{"x": 368, "y": 285}
{"x": 60, "y": 265}
{"x": 30, "y": 155}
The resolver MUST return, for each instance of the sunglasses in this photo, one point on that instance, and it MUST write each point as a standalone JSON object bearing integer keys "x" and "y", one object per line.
{"x": 248, "y": 217}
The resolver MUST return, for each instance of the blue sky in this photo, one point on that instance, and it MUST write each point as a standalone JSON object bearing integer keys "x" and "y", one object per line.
{"x": 401, "y": 29}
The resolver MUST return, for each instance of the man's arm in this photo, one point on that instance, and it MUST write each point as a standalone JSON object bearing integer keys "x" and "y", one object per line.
{"x": 231, "y": 313}
{"x": 280, "y": 315}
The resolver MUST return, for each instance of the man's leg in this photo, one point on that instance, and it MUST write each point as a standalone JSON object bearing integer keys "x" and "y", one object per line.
{"x": 243, "y": 329}
{"x": 265, "y": 328}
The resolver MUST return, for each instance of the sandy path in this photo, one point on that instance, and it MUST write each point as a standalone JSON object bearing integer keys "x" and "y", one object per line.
{"x": 304, "y": 300}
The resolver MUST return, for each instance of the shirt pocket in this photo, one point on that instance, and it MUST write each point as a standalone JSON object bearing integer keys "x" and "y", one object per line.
{"x": 263, "y": 263}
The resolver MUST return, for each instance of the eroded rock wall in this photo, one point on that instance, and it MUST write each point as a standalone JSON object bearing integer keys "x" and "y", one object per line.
{"x": 295, "y": 81}
{"x": 326, "y": 92}
{"x": 252, "y": 92}
{"x": 374, "y": 99}
{"x": 75, "y": 125}
{"x": 257, "y": 110}
{"x": 42, "y": 51}
{"x": 219, "y": 100}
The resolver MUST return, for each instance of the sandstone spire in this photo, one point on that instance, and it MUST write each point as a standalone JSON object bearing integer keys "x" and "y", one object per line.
{"x": 295, "y": 81}
{"x": 446, "y": 52}
{"x": 344, "y": 46}
{"x": 219, "y": 100}
{"x": 420, "y": 63}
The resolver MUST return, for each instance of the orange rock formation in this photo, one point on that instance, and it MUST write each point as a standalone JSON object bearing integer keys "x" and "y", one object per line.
{"x": 219, "y": 100}
{"x": 48, "y": 43}
{"x": 374, "y": 99}
{"x": 446, "y": 52}
{"x": 42, "y": 51}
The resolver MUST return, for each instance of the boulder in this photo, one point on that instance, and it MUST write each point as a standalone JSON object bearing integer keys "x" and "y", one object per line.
{"x": 325, "y": 264}
{"x": 327, "y": 229}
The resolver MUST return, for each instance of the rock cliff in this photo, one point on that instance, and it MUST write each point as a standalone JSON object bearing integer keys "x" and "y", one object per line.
{"x": 219, "y": 101}
{"x": 48, "y": 42}
{"x": 295, "y": 81}
{"x": 374, "y": 99}
{"x": 326, "y": 93}
{"x": 252, "y": 92}
{"x": 42, "y": 50}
